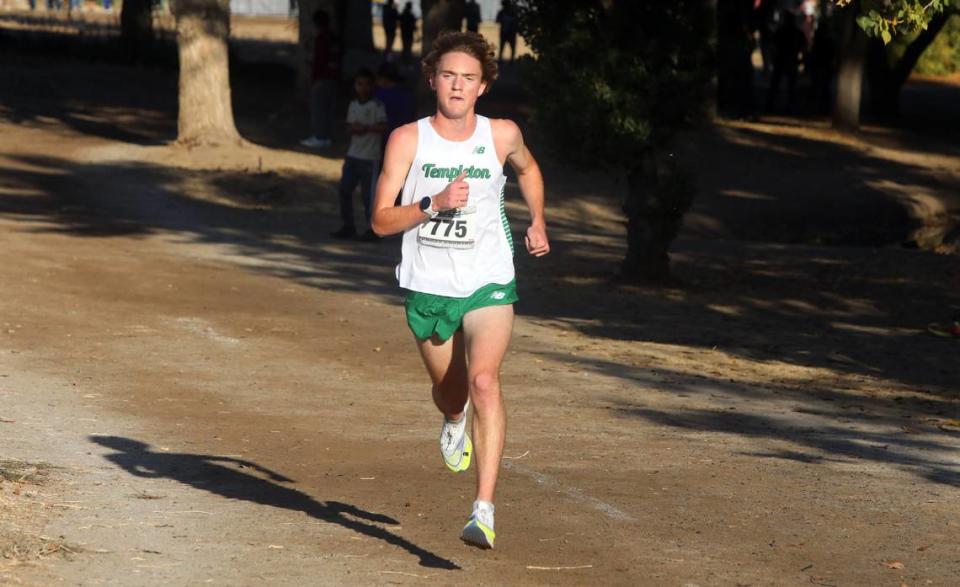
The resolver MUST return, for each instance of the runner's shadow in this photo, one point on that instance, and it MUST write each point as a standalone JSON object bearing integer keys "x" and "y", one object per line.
{"x": 208, "y": 472}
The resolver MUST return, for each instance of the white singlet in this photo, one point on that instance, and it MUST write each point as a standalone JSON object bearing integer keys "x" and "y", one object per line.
{"x": 458, "y": 251}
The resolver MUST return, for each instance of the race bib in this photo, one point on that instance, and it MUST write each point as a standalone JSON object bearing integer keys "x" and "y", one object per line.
{"x": 450, "y": 229}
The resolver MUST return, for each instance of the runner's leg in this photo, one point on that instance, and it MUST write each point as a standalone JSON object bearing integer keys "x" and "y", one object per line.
{"x": 446, "y": 363}
{"x": 487, "y": 335}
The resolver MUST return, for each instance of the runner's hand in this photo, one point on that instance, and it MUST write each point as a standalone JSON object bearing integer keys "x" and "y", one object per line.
{"x": 454, "y": 195}
{"x": 536, "y": 240}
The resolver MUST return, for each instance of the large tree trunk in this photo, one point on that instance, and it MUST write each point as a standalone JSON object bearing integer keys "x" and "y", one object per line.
{"x": 358, "y": 27}
{"x": 136, "y": 29}
{"x": 355, "y": 28}
{"x": 853, "y": 52}
{"x": 206, "y": 112}
{"x": 658, "y": 196}
{"x": 887, "y": 81}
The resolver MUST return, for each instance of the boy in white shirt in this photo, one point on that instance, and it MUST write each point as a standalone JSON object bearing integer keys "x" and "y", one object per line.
{"x": 366, "y": 123}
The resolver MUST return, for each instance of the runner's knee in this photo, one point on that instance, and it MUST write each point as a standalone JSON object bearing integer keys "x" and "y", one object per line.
{"x": 484, "y": 386}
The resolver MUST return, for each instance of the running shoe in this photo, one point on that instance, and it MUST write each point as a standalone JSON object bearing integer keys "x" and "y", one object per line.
{"x": 455, "y": 445}
{"x": 479, "y": 530}
{"x": 316, "y": 143}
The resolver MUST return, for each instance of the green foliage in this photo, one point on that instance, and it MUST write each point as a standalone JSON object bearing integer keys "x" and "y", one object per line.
{"x": 942, "y": 57}
{"x": 614, "y": 80}
{"x": 888, "y": 18}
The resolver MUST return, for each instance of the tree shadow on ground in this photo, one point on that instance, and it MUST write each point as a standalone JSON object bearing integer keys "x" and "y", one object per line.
{"x": 836, "y": 441}
{"x": 147, "y": 199}
{"x": 848, "y": 310}
{"x": 842, "y": 425}
{"x": 133, "y": 105}
{"x": 764, "y": 185}
{"x": 217, "y": 475}
{"x": 102, "y": 97}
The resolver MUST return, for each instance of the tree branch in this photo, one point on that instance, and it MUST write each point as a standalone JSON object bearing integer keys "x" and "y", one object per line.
{"x": 914, "y": 50}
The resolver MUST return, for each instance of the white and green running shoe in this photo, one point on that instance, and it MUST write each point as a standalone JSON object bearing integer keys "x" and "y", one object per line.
{"x": 479, "y": 530}
{"x": 455, "y": 445}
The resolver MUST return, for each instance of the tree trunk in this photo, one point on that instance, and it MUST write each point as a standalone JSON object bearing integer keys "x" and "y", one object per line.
{"x": 884, "y": 96}
{"x": 439, "y": 16}
{"x": 136, "y": 29}
{"x": 206, "y": 112}
{"x": 853, "y": 51}
{"x": 658, "y": 196}
{"x": 358, "y": 27}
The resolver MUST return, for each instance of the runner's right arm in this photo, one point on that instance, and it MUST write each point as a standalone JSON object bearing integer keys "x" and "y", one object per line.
{"x": 388, "y": 219}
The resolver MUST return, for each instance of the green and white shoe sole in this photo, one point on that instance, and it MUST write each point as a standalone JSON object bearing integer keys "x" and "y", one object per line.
{"x": 477, "y": 534}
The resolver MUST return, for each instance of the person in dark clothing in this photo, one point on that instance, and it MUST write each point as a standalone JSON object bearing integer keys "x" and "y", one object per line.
{"x": 389, "y": 18}
{"x": 789, "y": 43}
{"x": 408, "y": 26}
{"x": 326, "y": 74}
{"x": 396, "y": 98}
{"x": 735, "y": 43}
{"x": 471, "y": 14}
{"x": 507, "y": 19}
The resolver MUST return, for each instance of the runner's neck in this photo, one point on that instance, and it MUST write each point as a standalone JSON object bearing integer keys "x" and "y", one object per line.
{"x": 454, "y": 129}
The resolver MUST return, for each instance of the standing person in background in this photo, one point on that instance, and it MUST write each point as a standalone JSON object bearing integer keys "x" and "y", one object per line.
{"x": 472, "y": 15}
{"x": 408, "y": 26}
{"x": 389, "y": 19}
{"x": 396, "y": 98}
{"x": 507, "y": 19}
{"x": 325, "y": 74}
{"x": 366, "y": 122}
{"x": 790, "y": 43}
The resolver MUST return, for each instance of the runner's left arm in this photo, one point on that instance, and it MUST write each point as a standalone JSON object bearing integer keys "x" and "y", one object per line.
{"x": 531, "y": 185}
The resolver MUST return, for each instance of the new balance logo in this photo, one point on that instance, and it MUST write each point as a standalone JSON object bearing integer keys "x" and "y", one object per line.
{"x": 498, "y": 295}
{"x": 479, "y": 150}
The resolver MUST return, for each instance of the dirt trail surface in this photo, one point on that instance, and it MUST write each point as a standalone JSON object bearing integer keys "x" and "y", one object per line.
{"x": 221, "y": 395}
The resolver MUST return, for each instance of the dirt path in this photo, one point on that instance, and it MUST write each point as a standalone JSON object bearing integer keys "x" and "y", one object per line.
{"x": 228, "y": 397}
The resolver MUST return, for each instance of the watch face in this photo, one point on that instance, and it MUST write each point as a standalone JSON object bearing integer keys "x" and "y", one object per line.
{"x": 425, "y": 203}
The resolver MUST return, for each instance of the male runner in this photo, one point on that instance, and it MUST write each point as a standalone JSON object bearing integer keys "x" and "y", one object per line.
{"x": 457, "y": 262}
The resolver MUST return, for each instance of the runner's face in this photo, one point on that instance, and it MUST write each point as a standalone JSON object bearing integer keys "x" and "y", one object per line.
{"x": 458, "y": 84}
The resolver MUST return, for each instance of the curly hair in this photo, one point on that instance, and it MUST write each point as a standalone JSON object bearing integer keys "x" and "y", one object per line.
{"x": 473, "y": 44}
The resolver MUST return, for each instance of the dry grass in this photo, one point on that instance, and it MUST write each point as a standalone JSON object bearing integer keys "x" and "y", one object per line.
{"x": 22, "y": 517}
{"x": 22, "y": 472}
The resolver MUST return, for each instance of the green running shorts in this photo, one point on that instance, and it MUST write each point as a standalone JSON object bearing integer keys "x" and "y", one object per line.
{"x": 429, "y": 314}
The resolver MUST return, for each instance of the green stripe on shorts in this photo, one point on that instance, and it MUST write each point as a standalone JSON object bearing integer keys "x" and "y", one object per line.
{"x": 429, "y": 315}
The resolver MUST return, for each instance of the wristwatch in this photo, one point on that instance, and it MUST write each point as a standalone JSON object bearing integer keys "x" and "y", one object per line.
{"x": 426, "y": 206}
